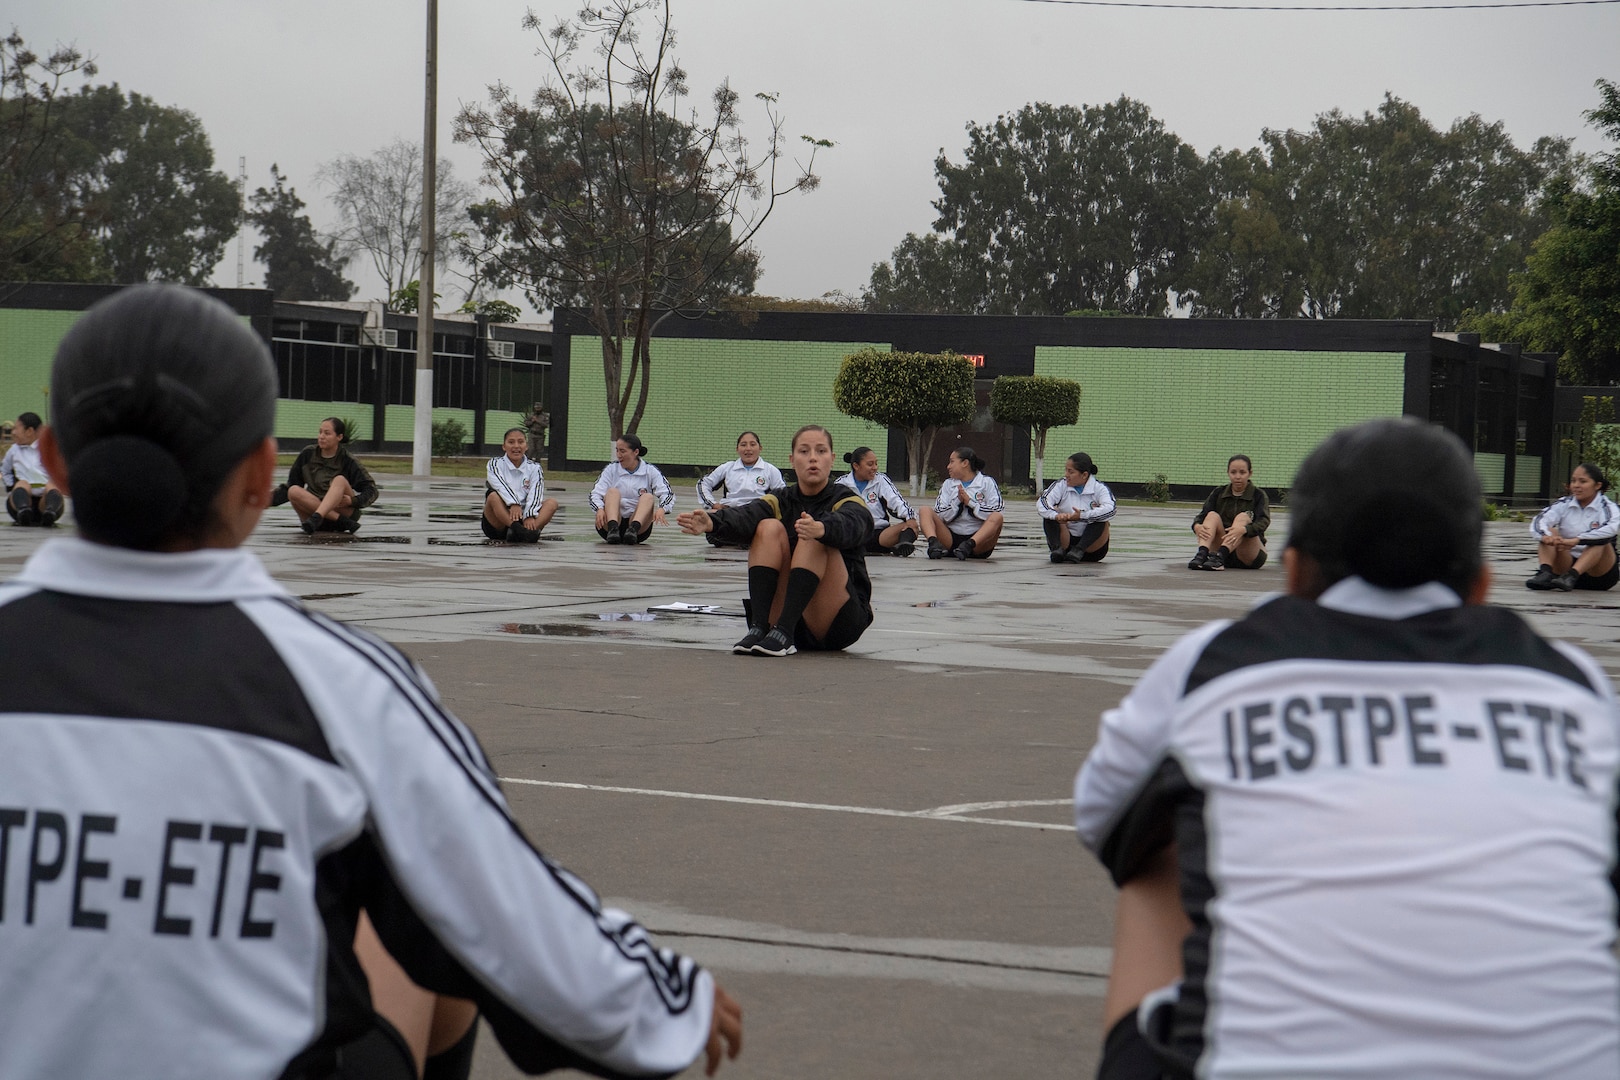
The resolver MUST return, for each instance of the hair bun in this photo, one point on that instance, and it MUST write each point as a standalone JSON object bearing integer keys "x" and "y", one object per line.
{"x": 127, "y": 491}
{"x": 849, "y": 459}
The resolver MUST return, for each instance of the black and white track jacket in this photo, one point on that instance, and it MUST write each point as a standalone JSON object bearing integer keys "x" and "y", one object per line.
{"x": 1395, "y": 827}
{"x": 201, "y": 783}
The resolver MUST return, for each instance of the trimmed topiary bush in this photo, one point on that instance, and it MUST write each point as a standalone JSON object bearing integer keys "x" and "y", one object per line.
{"x": 1039, "y": 403}
{"x": 917, "y": 392}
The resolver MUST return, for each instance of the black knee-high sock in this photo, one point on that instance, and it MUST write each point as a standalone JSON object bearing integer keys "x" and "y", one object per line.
{"x": 454, "y": 1063}
{"x": 762, "y": 581}
{"x": 802, "y": 585}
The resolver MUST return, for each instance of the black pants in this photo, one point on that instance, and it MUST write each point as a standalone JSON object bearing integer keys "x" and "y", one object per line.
{"x": 1087, "y": 537}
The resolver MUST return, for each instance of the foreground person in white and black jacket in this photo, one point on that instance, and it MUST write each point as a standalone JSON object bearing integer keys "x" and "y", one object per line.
{"x": 203, "y": 784}
{"x": 1367, "y": 830}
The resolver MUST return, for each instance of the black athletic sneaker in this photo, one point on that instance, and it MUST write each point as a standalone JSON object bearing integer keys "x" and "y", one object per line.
{"x": 904, "y": 549}
{"x": 612, "y": 530}
{"x": 50, "y": 508}
{"x": 1074, "y": 555}
{"x": 774, "y": 643}
{"x": 755, "y": 635}
{"x": 1542, "y": 579}
{"x": 22, "y": 506}
{"x": 1059, "y": 555}
{"x": 964, "y": 550}
{"x": 936, "y": 550}
{"x": 1566, "y": 582}
{"x": 1198, "y": 561}
{"x": 1216, "y": 561}
{"x": 630, "y": 534}
{"x": 345, "y": 523}
{"x": 308, "y": 525}
{"x": 519, "y": 534}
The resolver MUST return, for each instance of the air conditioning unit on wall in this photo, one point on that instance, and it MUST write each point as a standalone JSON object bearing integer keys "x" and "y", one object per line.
{"x": 500, "y": 350}
{"x": 376, "y": 335}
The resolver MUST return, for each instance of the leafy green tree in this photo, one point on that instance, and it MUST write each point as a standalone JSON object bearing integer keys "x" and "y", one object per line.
{"x": 1056, "y": 208}
{"x": 298, "y": 264}
{"x": 1249, "y": 265}
{"x": 616, "y": 197}
{"x": 917, "y": 392}
{"x": 1380, "y": 216}
{"x": 406, "y": 298}
{"x": 1568, "y": 299}
{"x": 1596, "y": 438}
{"x": 929, "y": 273}
{"x": 496, "y": 311}
{"x": 162, "y": 212}
{"x": 1039, "y": 403}
{"x": 45, "y": 234}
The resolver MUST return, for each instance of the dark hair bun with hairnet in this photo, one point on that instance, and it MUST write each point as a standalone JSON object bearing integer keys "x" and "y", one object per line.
{"x": 1366, "y": 491}
{"x": 158, "y": 392}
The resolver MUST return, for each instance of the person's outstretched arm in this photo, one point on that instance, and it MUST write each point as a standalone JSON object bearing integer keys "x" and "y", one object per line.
{"x": 461, "y": 897}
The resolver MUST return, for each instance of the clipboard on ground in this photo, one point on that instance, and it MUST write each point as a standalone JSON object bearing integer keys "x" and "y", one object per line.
{"x": 679, "y": 608}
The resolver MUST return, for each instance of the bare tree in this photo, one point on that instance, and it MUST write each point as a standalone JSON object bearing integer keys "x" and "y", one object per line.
{"x": 379, "y": 204}
{"x": 614, "y": 195}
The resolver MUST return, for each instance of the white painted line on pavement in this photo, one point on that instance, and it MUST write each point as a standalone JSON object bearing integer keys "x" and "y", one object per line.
{"x": 735, "y": 945}
{"x": 943, "y": 813}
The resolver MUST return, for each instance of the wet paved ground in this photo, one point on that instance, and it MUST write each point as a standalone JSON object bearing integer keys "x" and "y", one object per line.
{"x": 871, "y": 850}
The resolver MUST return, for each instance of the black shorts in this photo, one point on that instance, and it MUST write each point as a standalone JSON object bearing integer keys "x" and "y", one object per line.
{"x": 1087, "y": 537}
{"x": 1128, "y": 1054}
{"x": 845, "y": 629}
{"x": 1235, "y": 563}
{"x": 491, "y": 530}
{"x": 875, "y": 547}
{"x": 958, "y": 541}
{"x": 1601, "y": 582}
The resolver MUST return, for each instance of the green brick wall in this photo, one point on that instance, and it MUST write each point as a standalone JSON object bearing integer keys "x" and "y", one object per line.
{"x": 28, "y": 342}
{"x": 1183, "y": 412}
{"x": 401, "y": 420}
{"x": 301, "y": 419}
{"x": 1492, "y": 470}
{"x": 705, "y": 392}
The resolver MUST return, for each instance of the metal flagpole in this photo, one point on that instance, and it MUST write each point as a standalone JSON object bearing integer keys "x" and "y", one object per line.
{"x": 422, "y": 440}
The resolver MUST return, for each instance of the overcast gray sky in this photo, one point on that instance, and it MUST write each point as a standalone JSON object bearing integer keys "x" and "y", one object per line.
{"x": 298, "y": 82}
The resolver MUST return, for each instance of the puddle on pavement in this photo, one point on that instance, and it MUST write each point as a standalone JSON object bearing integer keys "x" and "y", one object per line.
{"x": 327, "y": 595}
{"x": 589, "y": 626}
{"x": 551, "y": 629}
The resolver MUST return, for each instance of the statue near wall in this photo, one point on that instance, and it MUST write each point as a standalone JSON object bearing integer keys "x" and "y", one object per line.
{"x": 535, "y": 423}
